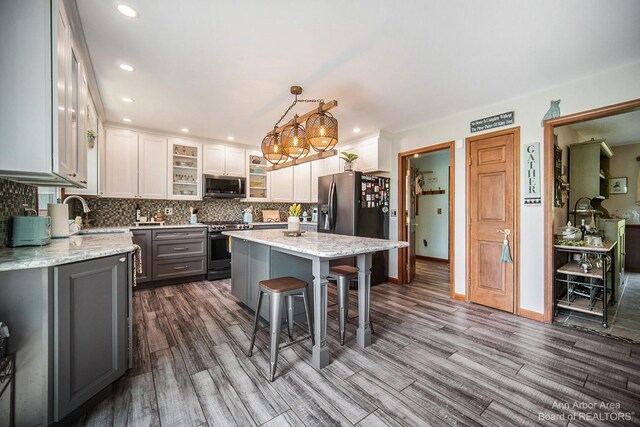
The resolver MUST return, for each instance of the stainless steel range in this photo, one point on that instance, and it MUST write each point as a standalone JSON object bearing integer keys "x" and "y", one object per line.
{"x": 219, "y": 262}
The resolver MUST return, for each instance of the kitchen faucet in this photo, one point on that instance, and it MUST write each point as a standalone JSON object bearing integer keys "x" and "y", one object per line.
{"x": 85, "y": 206}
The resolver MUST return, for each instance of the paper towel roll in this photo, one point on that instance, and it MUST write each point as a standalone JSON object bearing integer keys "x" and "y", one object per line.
{"x": 59, "y": 214}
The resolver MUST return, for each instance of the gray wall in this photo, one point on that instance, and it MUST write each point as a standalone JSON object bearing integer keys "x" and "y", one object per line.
{"x": 624, "y": 164}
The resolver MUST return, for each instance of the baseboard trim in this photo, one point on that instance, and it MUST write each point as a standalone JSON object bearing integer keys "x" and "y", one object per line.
{"x": 430, "y": 258}
{"x": 460, "y": 297}
{"x": 532, "y": 315}
{"x": 393, "y": 280}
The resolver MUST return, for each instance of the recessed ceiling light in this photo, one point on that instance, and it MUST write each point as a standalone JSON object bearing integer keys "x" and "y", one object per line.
{"x": 230, "y": 138}
{"x": 184, "y": 130}
{"x": 126, "y": 120}
{"x": 125, "y": 99}
{"x": 356, "y": 130}
{"x": 127, "y": 67}
{"x": 127, "y": 11}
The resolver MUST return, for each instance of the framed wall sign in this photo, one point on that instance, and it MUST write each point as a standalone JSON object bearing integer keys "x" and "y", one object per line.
{"x": 532, "y": 186}
{"x": 618, "y": 185}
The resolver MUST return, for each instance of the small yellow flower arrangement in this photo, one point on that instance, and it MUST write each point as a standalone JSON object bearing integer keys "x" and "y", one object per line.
{"x": 295, "y": 210}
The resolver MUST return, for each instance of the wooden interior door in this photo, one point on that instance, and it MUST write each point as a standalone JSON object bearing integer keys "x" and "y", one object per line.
{"x": 492, "y": 198}
{"x": 411, "y": 221}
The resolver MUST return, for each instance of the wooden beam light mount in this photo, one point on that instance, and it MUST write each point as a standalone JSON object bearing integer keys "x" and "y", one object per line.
{"x": 318, "y": 156}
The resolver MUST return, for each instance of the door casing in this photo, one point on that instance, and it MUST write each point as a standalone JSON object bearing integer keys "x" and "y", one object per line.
{"x": 514, "y": 238}
{"x": 403, "y": 253}
{"x": 547, "y": 196}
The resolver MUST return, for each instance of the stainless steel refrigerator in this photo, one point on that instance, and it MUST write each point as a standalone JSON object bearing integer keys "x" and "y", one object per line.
{"x": 357, "y": 205}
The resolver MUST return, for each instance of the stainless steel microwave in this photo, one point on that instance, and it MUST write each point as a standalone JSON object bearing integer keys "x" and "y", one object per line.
{"x": 224, "y": 187}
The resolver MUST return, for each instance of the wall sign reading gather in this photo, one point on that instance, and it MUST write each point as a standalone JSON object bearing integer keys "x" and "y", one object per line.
{"x": 532, "y": 190}
{"x": 492, "y": 122}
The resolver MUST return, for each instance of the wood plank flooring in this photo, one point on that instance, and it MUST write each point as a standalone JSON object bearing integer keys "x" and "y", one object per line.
{"x": 434, "y": 361}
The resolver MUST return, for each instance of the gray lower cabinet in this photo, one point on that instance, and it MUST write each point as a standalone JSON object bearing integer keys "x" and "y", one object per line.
{"x": 250, "y": 263}
{"x": 239, "y": 269}
{"x": 170, "y": 269}
{"x": 90, "y": 318}
{"x": 142, "y": 238}
{"x": 70, "y": 332}
{"x": 179, "y": 253}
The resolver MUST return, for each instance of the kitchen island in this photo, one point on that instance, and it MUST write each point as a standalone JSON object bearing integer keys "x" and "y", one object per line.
{"x": 265, "y": 254}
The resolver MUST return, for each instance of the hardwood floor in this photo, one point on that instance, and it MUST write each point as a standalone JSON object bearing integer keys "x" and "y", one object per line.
{"x": 434, "y": 361}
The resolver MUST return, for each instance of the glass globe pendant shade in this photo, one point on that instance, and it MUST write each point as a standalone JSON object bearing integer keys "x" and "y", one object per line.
{"x": 272, "y": 149}
{"x": 294, "y": 140}
{"x": 322, "y": 130}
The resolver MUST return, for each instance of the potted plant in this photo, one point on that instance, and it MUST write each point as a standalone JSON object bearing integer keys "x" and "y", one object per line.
{"x": 91, "y": 138}
{"x": 348, "y": 158}
{"x": 293, "y": 223}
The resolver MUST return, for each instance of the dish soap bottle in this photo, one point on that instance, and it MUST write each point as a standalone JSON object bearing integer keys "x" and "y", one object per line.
{"x": 137, "y": 212}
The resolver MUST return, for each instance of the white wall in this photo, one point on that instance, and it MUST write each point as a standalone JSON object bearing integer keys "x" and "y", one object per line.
{"x": 613, "y": 86}
{"x": 433, "y": 226}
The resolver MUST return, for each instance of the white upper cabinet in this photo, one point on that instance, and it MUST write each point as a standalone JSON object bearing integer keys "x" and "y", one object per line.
{"x": 281, "y": 185}
{"x": 152, "y": 167}
{"x": 41, "y": 95}
{"x": 374, "y": 153}
{"x": 121, "y": 163}
{"x": 185, "y": 169}
{"x": 224, "y": 160}
{"x": 302, "y": 183}
{"x": 214, "y": 159}
{"x": 235, "y": 161}
{"x": 327, "y": 166}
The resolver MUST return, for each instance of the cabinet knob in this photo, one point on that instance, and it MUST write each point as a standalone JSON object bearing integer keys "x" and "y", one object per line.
{"x": 83, "y": 181}
{"x": 73, "y": 174}
{"x": 123, "y": 259}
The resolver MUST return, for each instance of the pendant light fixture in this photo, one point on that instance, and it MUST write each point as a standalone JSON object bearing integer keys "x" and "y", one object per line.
{"x": 322, "y": 130}
{"x": 272, "y": 149}
{"x": 293, "y": 142}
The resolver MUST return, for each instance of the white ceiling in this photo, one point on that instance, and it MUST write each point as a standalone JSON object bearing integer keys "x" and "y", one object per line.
{"x": 224, "y": 67}
{"x": 617, "y": 130}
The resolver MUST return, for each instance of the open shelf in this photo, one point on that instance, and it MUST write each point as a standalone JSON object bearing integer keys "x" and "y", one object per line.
{"x": 573, "y": 269}
{"x": 582, "y": 305}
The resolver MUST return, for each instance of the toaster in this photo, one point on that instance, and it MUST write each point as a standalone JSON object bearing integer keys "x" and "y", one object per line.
{"x": 31, "y": 231}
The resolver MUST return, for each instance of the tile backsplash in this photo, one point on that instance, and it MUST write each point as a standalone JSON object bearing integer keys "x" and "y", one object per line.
{"x": 13, "y": 197}
{"x": 108, "y": 212}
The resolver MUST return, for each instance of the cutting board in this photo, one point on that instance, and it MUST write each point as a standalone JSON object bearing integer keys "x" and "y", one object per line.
{"x": 270, "y": 216}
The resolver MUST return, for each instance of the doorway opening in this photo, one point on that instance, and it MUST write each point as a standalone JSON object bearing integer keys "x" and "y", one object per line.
{"x": 592, "y": 164}
{"x": 426, "y": 183}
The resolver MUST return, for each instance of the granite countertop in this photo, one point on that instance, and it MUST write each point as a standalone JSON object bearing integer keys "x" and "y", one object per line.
{"x": 323, "y": 245}
{"x": 282, "y": 223}
{"x": 65, "y": 251}
{"x": 126, "y": 228}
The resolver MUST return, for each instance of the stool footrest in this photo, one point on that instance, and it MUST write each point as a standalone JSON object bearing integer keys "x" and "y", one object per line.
{"x": 289, "y": 344}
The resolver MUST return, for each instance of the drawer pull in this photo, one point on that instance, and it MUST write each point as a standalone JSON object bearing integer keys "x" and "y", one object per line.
{"x": 181, "y": 268}
{"x": 180, "y": 249}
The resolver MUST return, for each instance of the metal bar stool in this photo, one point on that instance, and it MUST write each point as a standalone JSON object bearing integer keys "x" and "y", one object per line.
{"x": 343, "y": 275}
{"x": 277, "y": 290}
